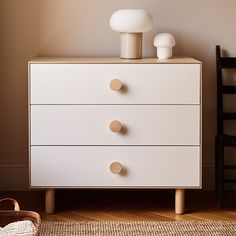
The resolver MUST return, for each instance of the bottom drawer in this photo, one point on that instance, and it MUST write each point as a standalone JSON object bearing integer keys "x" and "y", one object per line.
{"x": 142, "y": 167}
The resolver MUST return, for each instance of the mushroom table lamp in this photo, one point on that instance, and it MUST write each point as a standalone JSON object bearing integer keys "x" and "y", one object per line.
{"x": 164, "y": 43}
{"x": 131, "y": 23}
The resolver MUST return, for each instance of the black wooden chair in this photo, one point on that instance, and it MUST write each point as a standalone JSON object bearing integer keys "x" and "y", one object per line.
{"x": 222, "y": 139}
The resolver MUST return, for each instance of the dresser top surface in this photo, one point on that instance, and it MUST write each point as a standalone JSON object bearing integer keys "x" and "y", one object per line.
{"x": 111, "y": 60}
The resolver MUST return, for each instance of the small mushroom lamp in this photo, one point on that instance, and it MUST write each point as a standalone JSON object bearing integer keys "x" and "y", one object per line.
{"x": 131, "y": 23}
{"x": 164, "y": 42}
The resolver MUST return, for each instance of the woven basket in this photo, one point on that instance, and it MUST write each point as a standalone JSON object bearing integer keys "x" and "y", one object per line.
{"x": 10, "y": 216}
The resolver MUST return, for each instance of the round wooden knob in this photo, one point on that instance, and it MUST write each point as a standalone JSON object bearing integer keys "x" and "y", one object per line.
{"x": 115, "y": 126}
{"x": 115, "y": 84}
{"x": 115, "y": 168}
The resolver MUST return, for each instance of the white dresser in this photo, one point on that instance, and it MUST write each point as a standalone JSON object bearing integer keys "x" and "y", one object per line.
{"x": 115, "y": 123}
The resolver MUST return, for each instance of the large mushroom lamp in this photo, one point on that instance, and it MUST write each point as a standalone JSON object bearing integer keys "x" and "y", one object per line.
{"x": 131, "y": 23}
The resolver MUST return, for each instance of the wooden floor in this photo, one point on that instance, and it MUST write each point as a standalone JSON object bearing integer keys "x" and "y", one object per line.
{"x": 117, "y": 205}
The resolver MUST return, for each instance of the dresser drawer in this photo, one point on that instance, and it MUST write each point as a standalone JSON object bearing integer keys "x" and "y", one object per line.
{"x": 142, "y": 167}
{"x": 89, "y": 83}
{"x": 89, "y": 124}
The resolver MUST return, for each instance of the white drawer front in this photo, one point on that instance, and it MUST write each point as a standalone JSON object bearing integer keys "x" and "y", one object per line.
{"x": 89, "y": 166}
{"x": 89, "y": 83}
{"x": 89, "y": 124}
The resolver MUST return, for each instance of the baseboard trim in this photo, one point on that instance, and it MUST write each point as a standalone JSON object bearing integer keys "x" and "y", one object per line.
{"x": 13, "y": 166}
{"x": 14, "y": 177}
{"x": 209, "y": 179}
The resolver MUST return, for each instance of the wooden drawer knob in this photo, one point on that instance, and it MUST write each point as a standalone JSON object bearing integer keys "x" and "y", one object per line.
{"x": 115, "y": 168}
{"x": 115, "y": 126}
{"x": 115, "y": 84}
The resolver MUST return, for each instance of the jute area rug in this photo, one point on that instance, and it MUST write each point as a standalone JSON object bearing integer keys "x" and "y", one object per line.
{"x": 134, "y": 228}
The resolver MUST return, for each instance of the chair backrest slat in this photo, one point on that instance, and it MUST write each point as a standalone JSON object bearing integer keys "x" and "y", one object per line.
{"x": 229, "y": 89}
{"x": 228, "y": 62}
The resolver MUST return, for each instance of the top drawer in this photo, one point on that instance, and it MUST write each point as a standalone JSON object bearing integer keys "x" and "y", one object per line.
{"x": 90, "y": 83}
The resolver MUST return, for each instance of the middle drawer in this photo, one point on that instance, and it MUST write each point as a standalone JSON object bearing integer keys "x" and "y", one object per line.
{"x": 90, "y": 124}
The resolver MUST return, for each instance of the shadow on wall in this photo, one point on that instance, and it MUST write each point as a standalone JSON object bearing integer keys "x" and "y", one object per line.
{"x": 19, "y": 41}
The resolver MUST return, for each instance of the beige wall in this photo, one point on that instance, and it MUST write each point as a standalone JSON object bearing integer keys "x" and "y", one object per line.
{"x": 81, "y": 27}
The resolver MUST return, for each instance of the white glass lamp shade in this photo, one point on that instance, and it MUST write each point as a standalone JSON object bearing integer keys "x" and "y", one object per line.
{"x": 164, "y": 42}
{"x": 131, "y": 23}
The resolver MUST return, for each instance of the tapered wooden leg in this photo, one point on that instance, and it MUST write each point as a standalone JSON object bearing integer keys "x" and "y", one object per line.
{"x": 179, "y": 201}
{"x": 50, "y": 201}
